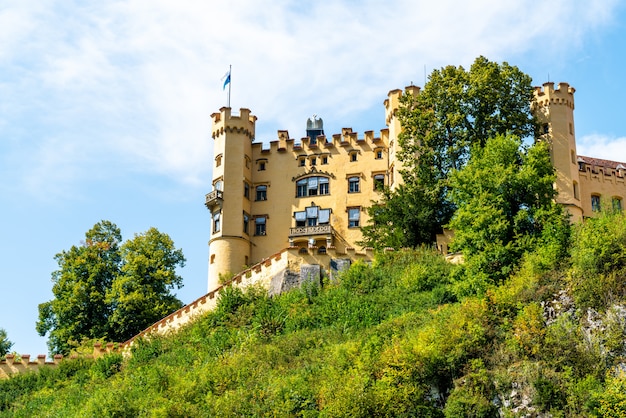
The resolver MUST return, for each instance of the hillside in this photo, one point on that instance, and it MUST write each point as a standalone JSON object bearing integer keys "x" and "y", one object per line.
{"x": 402, "y": 337}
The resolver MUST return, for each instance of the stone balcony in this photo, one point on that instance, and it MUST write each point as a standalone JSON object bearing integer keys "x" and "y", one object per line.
{"x": 214, "y": 198}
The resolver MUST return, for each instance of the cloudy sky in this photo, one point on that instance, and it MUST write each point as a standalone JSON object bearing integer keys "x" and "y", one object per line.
{"x": 105, "y": 105}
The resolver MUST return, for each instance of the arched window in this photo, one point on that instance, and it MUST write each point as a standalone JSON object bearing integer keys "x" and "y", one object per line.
{"x": 617, "y": 204}
{"x": 595, "y": 203}
{"x": 312, "y": 186}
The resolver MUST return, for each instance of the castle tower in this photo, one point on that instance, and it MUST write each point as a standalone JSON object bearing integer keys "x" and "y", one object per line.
{"x": 554, "y": 109}
{"x": 392, "y": 104}
{"x": 229, "y": 200}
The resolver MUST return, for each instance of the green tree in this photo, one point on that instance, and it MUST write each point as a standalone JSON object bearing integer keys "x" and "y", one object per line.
{"x": 505, "y": 200}
{"x": 91, "y": 288}
{"x": 140, "y": 295}
{"x": 457, "y": 110}
{"x": 5, "y": 344}
{"x": 79, "y": 309}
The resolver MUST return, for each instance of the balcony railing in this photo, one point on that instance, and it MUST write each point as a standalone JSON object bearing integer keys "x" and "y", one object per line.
{"x": 300, "y": 231}
{"x": 213, "y": 199}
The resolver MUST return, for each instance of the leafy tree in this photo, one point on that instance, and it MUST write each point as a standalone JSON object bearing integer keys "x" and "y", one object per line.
{"x": 107, "y": 290}
{"x": 457, "y": 110}
{"x": 79, "y": 309}
{"x": 5, "y": 344}
{"x": 505, "y": 201}
{"x": 140, "y": 295}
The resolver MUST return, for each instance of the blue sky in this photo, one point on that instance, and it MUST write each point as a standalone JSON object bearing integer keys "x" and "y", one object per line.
{"x": 105, "y": 106}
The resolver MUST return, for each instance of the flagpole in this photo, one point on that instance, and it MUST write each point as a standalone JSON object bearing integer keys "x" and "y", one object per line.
{"x": 230, "y": 75}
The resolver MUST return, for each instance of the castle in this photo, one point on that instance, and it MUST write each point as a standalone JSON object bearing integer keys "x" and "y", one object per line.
{"x": 310, "y": 194}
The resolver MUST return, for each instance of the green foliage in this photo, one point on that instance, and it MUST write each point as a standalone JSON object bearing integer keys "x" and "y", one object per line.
{"x": 457, "y": 111}
{"x": 386, "y": 339}
{"x": 598, "y": 257}
{"x": 107, "y": 290}
{"x": 505, "y": 201}
{"x": 5, "y": 344}
{"x": 140, "y": 295}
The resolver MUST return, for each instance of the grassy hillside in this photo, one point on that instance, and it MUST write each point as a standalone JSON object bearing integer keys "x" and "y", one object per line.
{"x": 392, "y": 339}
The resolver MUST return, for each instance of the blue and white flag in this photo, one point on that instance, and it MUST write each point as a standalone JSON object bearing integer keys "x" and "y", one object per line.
{"x": 226, "y": 79}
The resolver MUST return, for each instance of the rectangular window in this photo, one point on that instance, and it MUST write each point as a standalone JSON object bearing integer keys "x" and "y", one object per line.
{"x": 353, "y": 185}
{"x": 324, "y": 186}
{"x": 216, "y": 222}
{"x": 302, "y": 162}
{"x": 246, "y": 222}
{"x": 379, "y": 182}
{"x": 353, "y": 157}
{"x": 313, "y": 161}
{"x": 261, "y": 193}
{"x": 379, "y": 154}
{"x": 259, "y": 225}
{"x": 354, "y": 216}
{"x": 246, "y": 190}
{"x": 262, "y": 166}
{"x": 324, "y": 160}
{"x": 300, "y": 218}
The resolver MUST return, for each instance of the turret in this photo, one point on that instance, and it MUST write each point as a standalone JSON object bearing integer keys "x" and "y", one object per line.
{"x": 392, "y": 104}
{"x": 229, "y": 200}
{"x": 554, "y": 109}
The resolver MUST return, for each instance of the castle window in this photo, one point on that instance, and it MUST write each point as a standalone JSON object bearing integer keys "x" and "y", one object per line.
{"x": 246, "y": 222}
{"x": 573, "y": 156}
{"x": 324, "y": 160}
{"x": 216, "y": 222}
{"x": 218, "y": 160}
{"x": 321, "y": 250}
{"x": 546, "y": 128}
{"x": 576, "y": 192}
{"x": 353, "y": 185}
{"x": 353, "y": 156}
{"x": 302, "y": 162}
{"x": 379, "y": 182}
{"x": 218, "y": 185}
{"x": 262, "y": 166}
{"x": 313, "y": 161}
{"x": 246, "y": 190}
{"x": 617, "y": 204}
{"x": 247, "y": 161}
{"x": 312, "y": 216}
{"x": 379, "y": 154}
{"x": 260, "y": 224}
{"x": 571, "y": 128}
{"x": 261, "y": 193}
{"x": 212, "y": 258}
{"x": 595, "y": 203}
{"x": 354, "y": 217}
{"x": 581, "y": 165}
{"x": 312, "y": 186}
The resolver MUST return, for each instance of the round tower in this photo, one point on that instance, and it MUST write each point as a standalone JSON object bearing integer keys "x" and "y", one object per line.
{"x": 554, "y": 109}
{"x": 229, "y": 200}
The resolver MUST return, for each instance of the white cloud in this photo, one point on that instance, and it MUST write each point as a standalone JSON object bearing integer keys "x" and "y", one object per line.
{"x": 602, "y": 146}
{"x": 135, "y": 81}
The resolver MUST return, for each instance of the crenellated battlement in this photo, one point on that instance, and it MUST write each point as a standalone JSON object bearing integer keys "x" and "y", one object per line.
{"x": 548, "y": 95}
{"x": 19, "y": 364}
{"x": 347, "y": 138}
{"x": 225, "y": 121}
{"x": 392, "y": 102}
{"x": 262, "y": 274}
